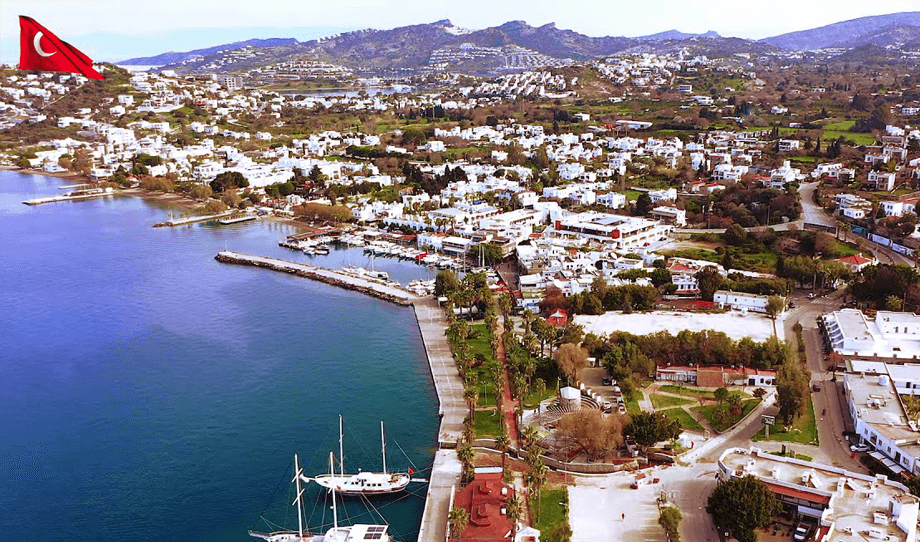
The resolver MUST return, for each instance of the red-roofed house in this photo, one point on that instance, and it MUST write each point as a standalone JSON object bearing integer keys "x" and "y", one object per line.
{"x": 856, "y": 262}
{"x": 484, "y": 501}
{"x": 559, "y": 318}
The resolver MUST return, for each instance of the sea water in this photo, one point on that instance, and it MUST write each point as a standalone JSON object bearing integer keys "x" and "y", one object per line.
{"x": 151, "y": 392}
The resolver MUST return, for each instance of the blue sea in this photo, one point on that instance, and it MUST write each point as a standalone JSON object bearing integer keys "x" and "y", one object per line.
{"x": 150, "y": 392}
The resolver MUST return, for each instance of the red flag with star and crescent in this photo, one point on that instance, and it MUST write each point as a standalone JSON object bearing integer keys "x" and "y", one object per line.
{"x": 41, "y": 50}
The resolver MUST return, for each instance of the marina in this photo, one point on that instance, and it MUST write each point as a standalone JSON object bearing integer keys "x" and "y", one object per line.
{"x": 191, "y": 220}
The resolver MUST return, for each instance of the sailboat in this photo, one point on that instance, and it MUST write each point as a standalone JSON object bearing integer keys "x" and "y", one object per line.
{"x": 364, "y": 483}
{"x": 350, "y": 533}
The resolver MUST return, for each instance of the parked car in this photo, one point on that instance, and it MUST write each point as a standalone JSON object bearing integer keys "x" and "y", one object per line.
{"x": 811, "y": 295}
{"x": 608, "y": 408}
{"x": 802, "y": 530}
{"x": 815, "y": 387}
{"x": 607, "y": 381}
{"x": 860, "y": 448}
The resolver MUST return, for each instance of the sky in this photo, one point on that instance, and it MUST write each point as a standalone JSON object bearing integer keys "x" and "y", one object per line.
{"x": 110, "y": 30}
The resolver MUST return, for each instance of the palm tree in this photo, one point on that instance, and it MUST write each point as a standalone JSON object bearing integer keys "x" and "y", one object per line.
{"x": 458, "y": 519}
{"x": 529, "y": 435}
{"x": 515, "y": 511}
{"x": 466, "y": 455}
{"x": 536, "y": 478}
{"x": 528, "y": 319}
{"x": 502, "y": 442}
{"x": 471, "y": 394}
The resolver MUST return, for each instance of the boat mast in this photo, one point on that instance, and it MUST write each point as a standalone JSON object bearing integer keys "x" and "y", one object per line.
{"x": 383, "y": 448}
{"x": 299, "y": 500}
{"x": 341, "y": 453}
{"x": 335, "y": 512}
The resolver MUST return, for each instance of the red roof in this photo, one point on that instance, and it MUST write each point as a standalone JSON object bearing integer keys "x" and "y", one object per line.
{"x": 483, "y": 500}
{"x": 558, "y": 318}
{"x": 798, "y": 493}
{"x": 856, "y": 259}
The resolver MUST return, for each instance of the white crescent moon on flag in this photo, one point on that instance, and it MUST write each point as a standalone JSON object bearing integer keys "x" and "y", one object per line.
{"x": 36, "y": 41}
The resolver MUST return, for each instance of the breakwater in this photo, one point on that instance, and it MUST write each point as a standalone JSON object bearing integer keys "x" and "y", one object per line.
{"x": 380, "y": 290}
{"x": 191, "y": 220}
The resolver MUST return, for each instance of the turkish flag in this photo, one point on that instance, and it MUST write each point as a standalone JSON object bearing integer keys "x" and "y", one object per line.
{"x": 41, "y": 50}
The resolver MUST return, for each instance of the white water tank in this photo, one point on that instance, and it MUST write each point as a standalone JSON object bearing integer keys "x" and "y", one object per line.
{"x": 883, "y": 380}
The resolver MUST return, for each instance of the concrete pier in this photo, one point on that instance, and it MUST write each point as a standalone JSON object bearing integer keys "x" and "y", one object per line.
{"x": 444, "y": 480}
{"x": 67, "y": 197}
{"x": 192, "y": 220}
{"x": 371, "y": 287}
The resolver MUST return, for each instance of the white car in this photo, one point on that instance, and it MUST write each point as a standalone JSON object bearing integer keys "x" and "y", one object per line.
{"x": 801, "y": 532}
{"x": 859, "y": 448}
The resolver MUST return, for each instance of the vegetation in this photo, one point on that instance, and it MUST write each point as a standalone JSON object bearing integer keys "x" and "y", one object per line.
{"x": 669, "y": 518}
{"x": 803, "y": 430}
{"x": 684, "y": 418}
{"x": 591, "y": 432}
{"x": 649, "y": 428}
{"x": 740, "y": 506}
{"x": 660, "y": 401}
{"x": 554, "y": 516}
{"x": 725, "y": 415}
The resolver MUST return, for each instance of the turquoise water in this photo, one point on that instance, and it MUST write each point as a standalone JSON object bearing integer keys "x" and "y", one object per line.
{"x": 151, "y": 392}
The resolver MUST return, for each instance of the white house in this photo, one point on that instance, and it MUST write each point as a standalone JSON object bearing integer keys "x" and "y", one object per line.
{"x": 742, "y": 301}
{"x": 881, "y": 181}
{"x": 786, "y": 145}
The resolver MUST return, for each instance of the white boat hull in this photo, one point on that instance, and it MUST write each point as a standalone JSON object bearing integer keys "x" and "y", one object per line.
{"x": 365, "y": 483}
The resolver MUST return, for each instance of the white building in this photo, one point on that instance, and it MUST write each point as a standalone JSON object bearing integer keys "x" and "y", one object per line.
{"x": 742, "y": 301}
{"x": 843, "y": 505}
{"x": 890, "y": 335}
{"x": 670, "y": 215}
{"x": 881, "y": 181}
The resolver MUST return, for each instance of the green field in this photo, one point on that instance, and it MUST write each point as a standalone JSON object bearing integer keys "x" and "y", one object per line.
{"x": 709, "y": 412}
{"x": 804, "y": 429}
{"x": 552, "y": 512}
{"x": 660, "y": 401}
{"x": 632, "y": 405}
{"x": 683, "y": 417}
{"x": 691, "y": 392}
{"x": 632, "y": 195}
{"x": 487, "y": 423}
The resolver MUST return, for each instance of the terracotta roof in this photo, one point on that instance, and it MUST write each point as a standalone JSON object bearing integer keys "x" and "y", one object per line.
{"x": 483, "y": 500}
{"x": 856, "y": 259}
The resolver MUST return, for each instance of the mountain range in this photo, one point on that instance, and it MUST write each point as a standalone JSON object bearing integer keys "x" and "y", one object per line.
{"x": 413, "y": 47}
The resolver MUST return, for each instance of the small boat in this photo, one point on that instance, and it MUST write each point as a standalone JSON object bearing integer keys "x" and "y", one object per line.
{"x": 364, "y": 483}
{"x": 322, "y": 249}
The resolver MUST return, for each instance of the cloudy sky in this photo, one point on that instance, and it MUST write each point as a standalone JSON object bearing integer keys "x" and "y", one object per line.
{"x": 114, "y": 30}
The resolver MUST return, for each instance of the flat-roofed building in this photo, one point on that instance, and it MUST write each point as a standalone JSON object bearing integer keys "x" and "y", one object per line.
{"x": 844, "y": 506}
{"x": 890, "y": 335}
{"x": 617, "y": 230}
{"x": 742, "y": 301}
{"x": 880, "y": 420}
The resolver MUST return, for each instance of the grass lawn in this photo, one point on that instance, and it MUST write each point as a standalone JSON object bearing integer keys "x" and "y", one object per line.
{"x": 552, "y": 511}
{"x": 840, "y": 125}
{"x": 721, "y": 424}
{"x": 632, "y": 195}
{"x": 532, "y": 399}
{"x": 480, "y": 340}
{"x": 842, "y": 249}
{"x": 804, "y": 429}
{"x": 660, "y": 401}
{"x": 793, "y": 455}
{"x": 486, "y": 425}
{"x": 686, "y": 420}
{"x": 809, "y": 159}
{"x": 683, "y": 390}
{"x": 632, "y": 405}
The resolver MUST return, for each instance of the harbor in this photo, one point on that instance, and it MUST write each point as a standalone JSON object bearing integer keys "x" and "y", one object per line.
{"x": 445, "y": 472}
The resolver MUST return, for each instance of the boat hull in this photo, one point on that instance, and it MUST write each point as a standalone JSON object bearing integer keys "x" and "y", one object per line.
{"x": 364, "y": 483}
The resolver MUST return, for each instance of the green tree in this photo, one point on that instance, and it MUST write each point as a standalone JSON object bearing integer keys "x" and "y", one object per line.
{"x": 669, "y": 518}
{"x": 644, "y": 204}
{"x": 720, "y": 395}
{"x": 736, "y": 235}
{"x": 740, "y": 506}
{"x": 792, "y": 389}
{"x": 651, "y": 427}
{"x": 491, "y": 253}
{"x": 457, "y": 519}
{"x": 200, "y": 191}
{"x": 709, "y": 280}
{"x": 445, "y": 282}
{"x": 660, "y": 276}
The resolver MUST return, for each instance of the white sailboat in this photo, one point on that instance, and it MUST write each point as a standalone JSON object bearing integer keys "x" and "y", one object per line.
{"x": 364, "y": 483}
{"x": 350, "y": 533}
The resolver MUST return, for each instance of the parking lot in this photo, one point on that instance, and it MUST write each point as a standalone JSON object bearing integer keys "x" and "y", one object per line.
{"x": 598, "y": 505}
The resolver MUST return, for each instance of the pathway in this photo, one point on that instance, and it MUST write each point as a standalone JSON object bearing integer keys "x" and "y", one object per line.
{"x": 508, "y": 401}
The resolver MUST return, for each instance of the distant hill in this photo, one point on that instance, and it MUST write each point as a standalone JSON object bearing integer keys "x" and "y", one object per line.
{"x": 678, "y": 35}
{"x": 441, "y": 45}
{"x": 855, "y": 31}
{"x": 175, "y": 58}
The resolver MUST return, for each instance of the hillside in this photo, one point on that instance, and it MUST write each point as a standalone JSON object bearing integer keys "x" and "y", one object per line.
{"x": 176, "y": 57}
{"x": 678, "y": 35}
{"x": 855, "y": 31}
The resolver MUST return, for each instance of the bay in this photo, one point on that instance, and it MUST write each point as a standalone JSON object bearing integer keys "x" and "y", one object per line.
{"x": 150, "y": 391}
